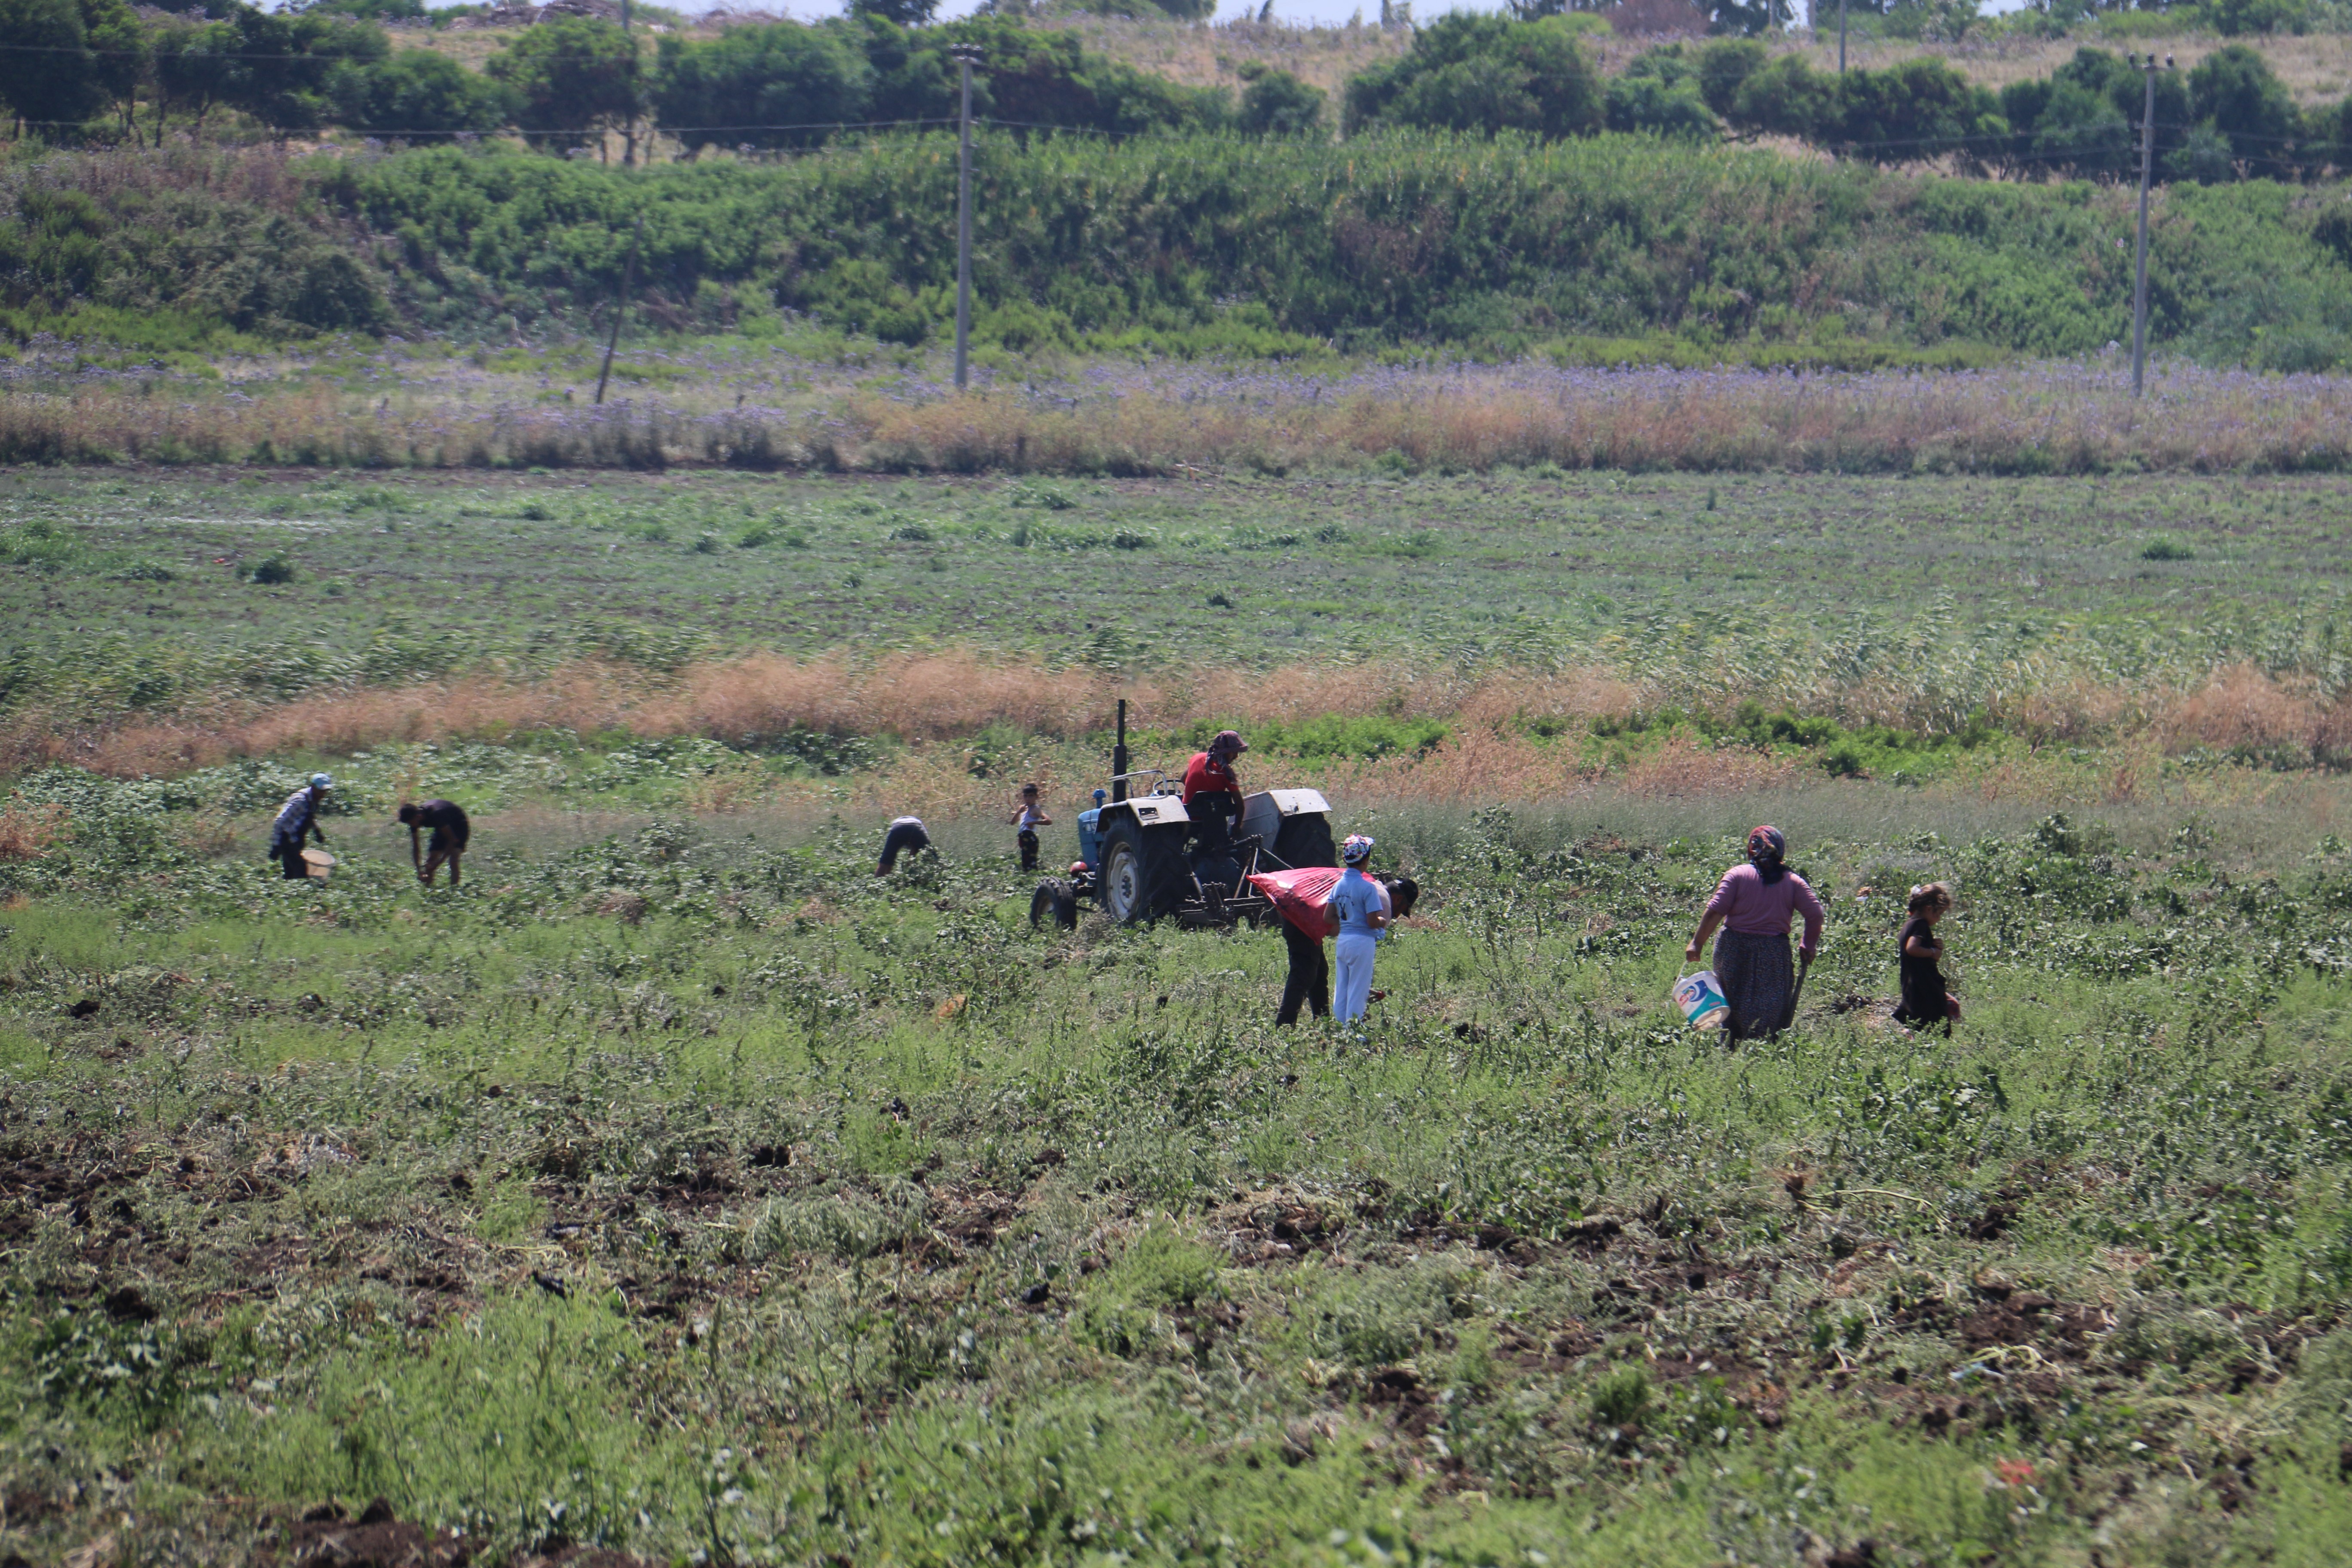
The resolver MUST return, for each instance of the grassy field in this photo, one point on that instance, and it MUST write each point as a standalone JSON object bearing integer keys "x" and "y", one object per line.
{"x": 149, "y": 587}
{"x": 678, "y": 1191}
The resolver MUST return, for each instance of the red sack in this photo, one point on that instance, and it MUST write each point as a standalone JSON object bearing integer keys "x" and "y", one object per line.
{"x": 1299, "y": 895}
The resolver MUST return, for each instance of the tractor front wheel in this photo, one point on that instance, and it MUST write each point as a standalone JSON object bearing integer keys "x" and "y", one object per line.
{"x": 1126, "y": 888}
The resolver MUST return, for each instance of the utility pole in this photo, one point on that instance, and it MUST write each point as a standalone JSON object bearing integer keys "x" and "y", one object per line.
{"x": 2147, "y": 172}
{"x": 621, "y": 305}
{"x": 1841, "y": 37}
{"x": 965, "y": 55}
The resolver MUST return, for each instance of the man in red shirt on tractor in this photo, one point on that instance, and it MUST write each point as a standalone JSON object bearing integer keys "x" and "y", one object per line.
{"x": 1213, "y": 797}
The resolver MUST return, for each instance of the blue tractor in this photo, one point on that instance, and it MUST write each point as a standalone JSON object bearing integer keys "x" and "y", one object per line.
{"x": 1140, "y": 859}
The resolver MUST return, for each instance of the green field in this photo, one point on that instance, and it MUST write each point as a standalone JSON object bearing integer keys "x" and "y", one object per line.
{"x": 678, "y": 1189}
{"x": 141, "y": 592}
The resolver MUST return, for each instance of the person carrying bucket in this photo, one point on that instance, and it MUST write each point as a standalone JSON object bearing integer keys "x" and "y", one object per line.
{"x": 297, "y": 820}
{"x": 1754, "y": 904}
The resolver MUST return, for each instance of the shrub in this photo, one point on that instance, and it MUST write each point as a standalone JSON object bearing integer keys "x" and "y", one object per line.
{"x": 416, "y": 90}
{"x": 1484, "y": 75}
{"x": 570, "y": 76}
{"x": 1660, "y": 93}
{"x": 1276, "y": 103}
{"x": 2234, "y": 92}
{"x": 738, "y": 87}
{"x": 1622, "y": 1399}
{"x": 271, "y": 570}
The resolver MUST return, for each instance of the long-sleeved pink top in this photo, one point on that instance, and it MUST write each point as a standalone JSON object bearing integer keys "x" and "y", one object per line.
{"x": 1751, "y": 908}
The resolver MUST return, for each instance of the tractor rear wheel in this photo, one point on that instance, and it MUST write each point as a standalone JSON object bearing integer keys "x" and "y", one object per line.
{"x": 1052, "y": 901}
{"x": 1305, "y": 841}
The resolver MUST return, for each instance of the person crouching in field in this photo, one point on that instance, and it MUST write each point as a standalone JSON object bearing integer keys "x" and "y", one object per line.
{"x": 1754, "y": 904}
{"x": 906, "y": 837}
{"x": 1356, "y": 914}
{"x": 446, "y": 822}
{"x": 1926, "y": 1001}
{"x": 297, "y": 820}
{"x": 1026, "y": 822}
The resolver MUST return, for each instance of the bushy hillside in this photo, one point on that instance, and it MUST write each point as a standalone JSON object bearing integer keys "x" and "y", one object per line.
{"x": 1499, "y": 245}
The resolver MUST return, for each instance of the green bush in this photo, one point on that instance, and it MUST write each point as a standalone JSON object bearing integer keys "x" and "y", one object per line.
{"x": 1276, "y": 103}
{"x": 1482, "y": 75}
{"x": 420, "y": 91}
{"x": 734, "y": 88}
{"x": 571, "y": 77}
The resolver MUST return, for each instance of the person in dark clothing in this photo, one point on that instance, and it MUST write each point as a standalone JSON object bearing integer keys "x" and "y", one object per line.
{"x": 297, "y": 820}
{"x": 1925, "y": 1000}
{"x": 906, "y": 837}
{"x": 446, "y": 821}
{"x": 1309, "y": 984}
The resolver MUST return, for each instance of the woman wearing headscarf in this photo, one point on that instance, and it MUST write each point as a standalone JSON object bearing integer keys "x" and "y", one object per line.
{"x": 1754, "y": 904}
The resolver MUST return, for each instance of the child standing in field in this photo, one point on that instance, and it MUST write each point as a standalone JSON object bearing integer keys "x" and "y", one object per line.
{"x": 1027, "y": 821}
{"x": 1356, "y": 914}
{"x": 1919, "y": 954}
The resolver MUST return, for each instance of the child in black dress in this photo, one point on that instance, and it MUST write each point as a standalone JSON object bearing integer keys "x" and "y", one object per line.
{"x": 1925, "y": 998}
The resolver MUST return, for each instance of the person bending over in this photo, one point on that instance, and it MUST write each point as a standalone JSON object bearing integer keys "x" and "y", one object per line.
{"x": 446, "y": 820}
{"x": 297, "y": 820}
{"x": 906, "y": 837}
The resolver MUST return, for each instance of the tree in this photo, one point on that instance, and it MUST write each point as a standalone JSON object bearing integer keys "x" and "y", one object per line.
{"x": 1915, "y": 110}
{"x": 2236, "y": 18}
{"x": 1724, "y": 68}
{"x": 2234, "y": 93}
{"x": 1659, "y": 93}
{"x": 193, "y": 64}
{"x": 898, "y": 12}
{"x": 2327, "y": 139}
{"x": 1749, "y": 19}
{"x": 1483, "y": 73}
{"x": 1276, "y": 103}
{"x": 366, "y": 10}
{"x": 2059, "y": 126}
{"x": 1784, "y": 98}
{"x": 573, "y": 78}
{"x": 118, "y": 59}
{"x": 748, "y": 84}
{"x": 417, "y": 94}
{"x": 280, "y": 64}
{"x": 47, "y": 74}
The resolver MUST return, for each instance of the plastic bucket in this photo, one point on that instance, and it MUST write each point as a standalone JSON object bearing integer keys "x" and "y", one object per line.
{"x": 1700, "y": 999}
{"x": 318, "y": 863}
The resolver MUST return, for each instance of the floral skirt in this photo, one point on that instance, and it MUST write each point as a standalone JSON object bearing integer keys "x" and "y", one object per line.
{"x": 1758, "y": 977}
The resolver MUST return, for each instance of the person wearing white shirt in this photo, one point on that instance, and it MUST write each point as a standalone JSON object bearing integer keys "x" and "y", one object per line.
{"x": 1356, "y": 914}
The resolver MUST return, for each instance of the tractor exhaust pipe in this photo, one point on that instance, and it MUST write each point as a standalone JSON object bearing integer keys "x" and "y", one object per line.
{"x": 1119, "y": 756}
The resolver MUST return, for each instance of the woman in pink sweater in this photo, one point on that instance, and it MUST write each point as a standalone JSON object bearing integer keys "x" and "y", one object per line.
{"x": 1754, "y": 905}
